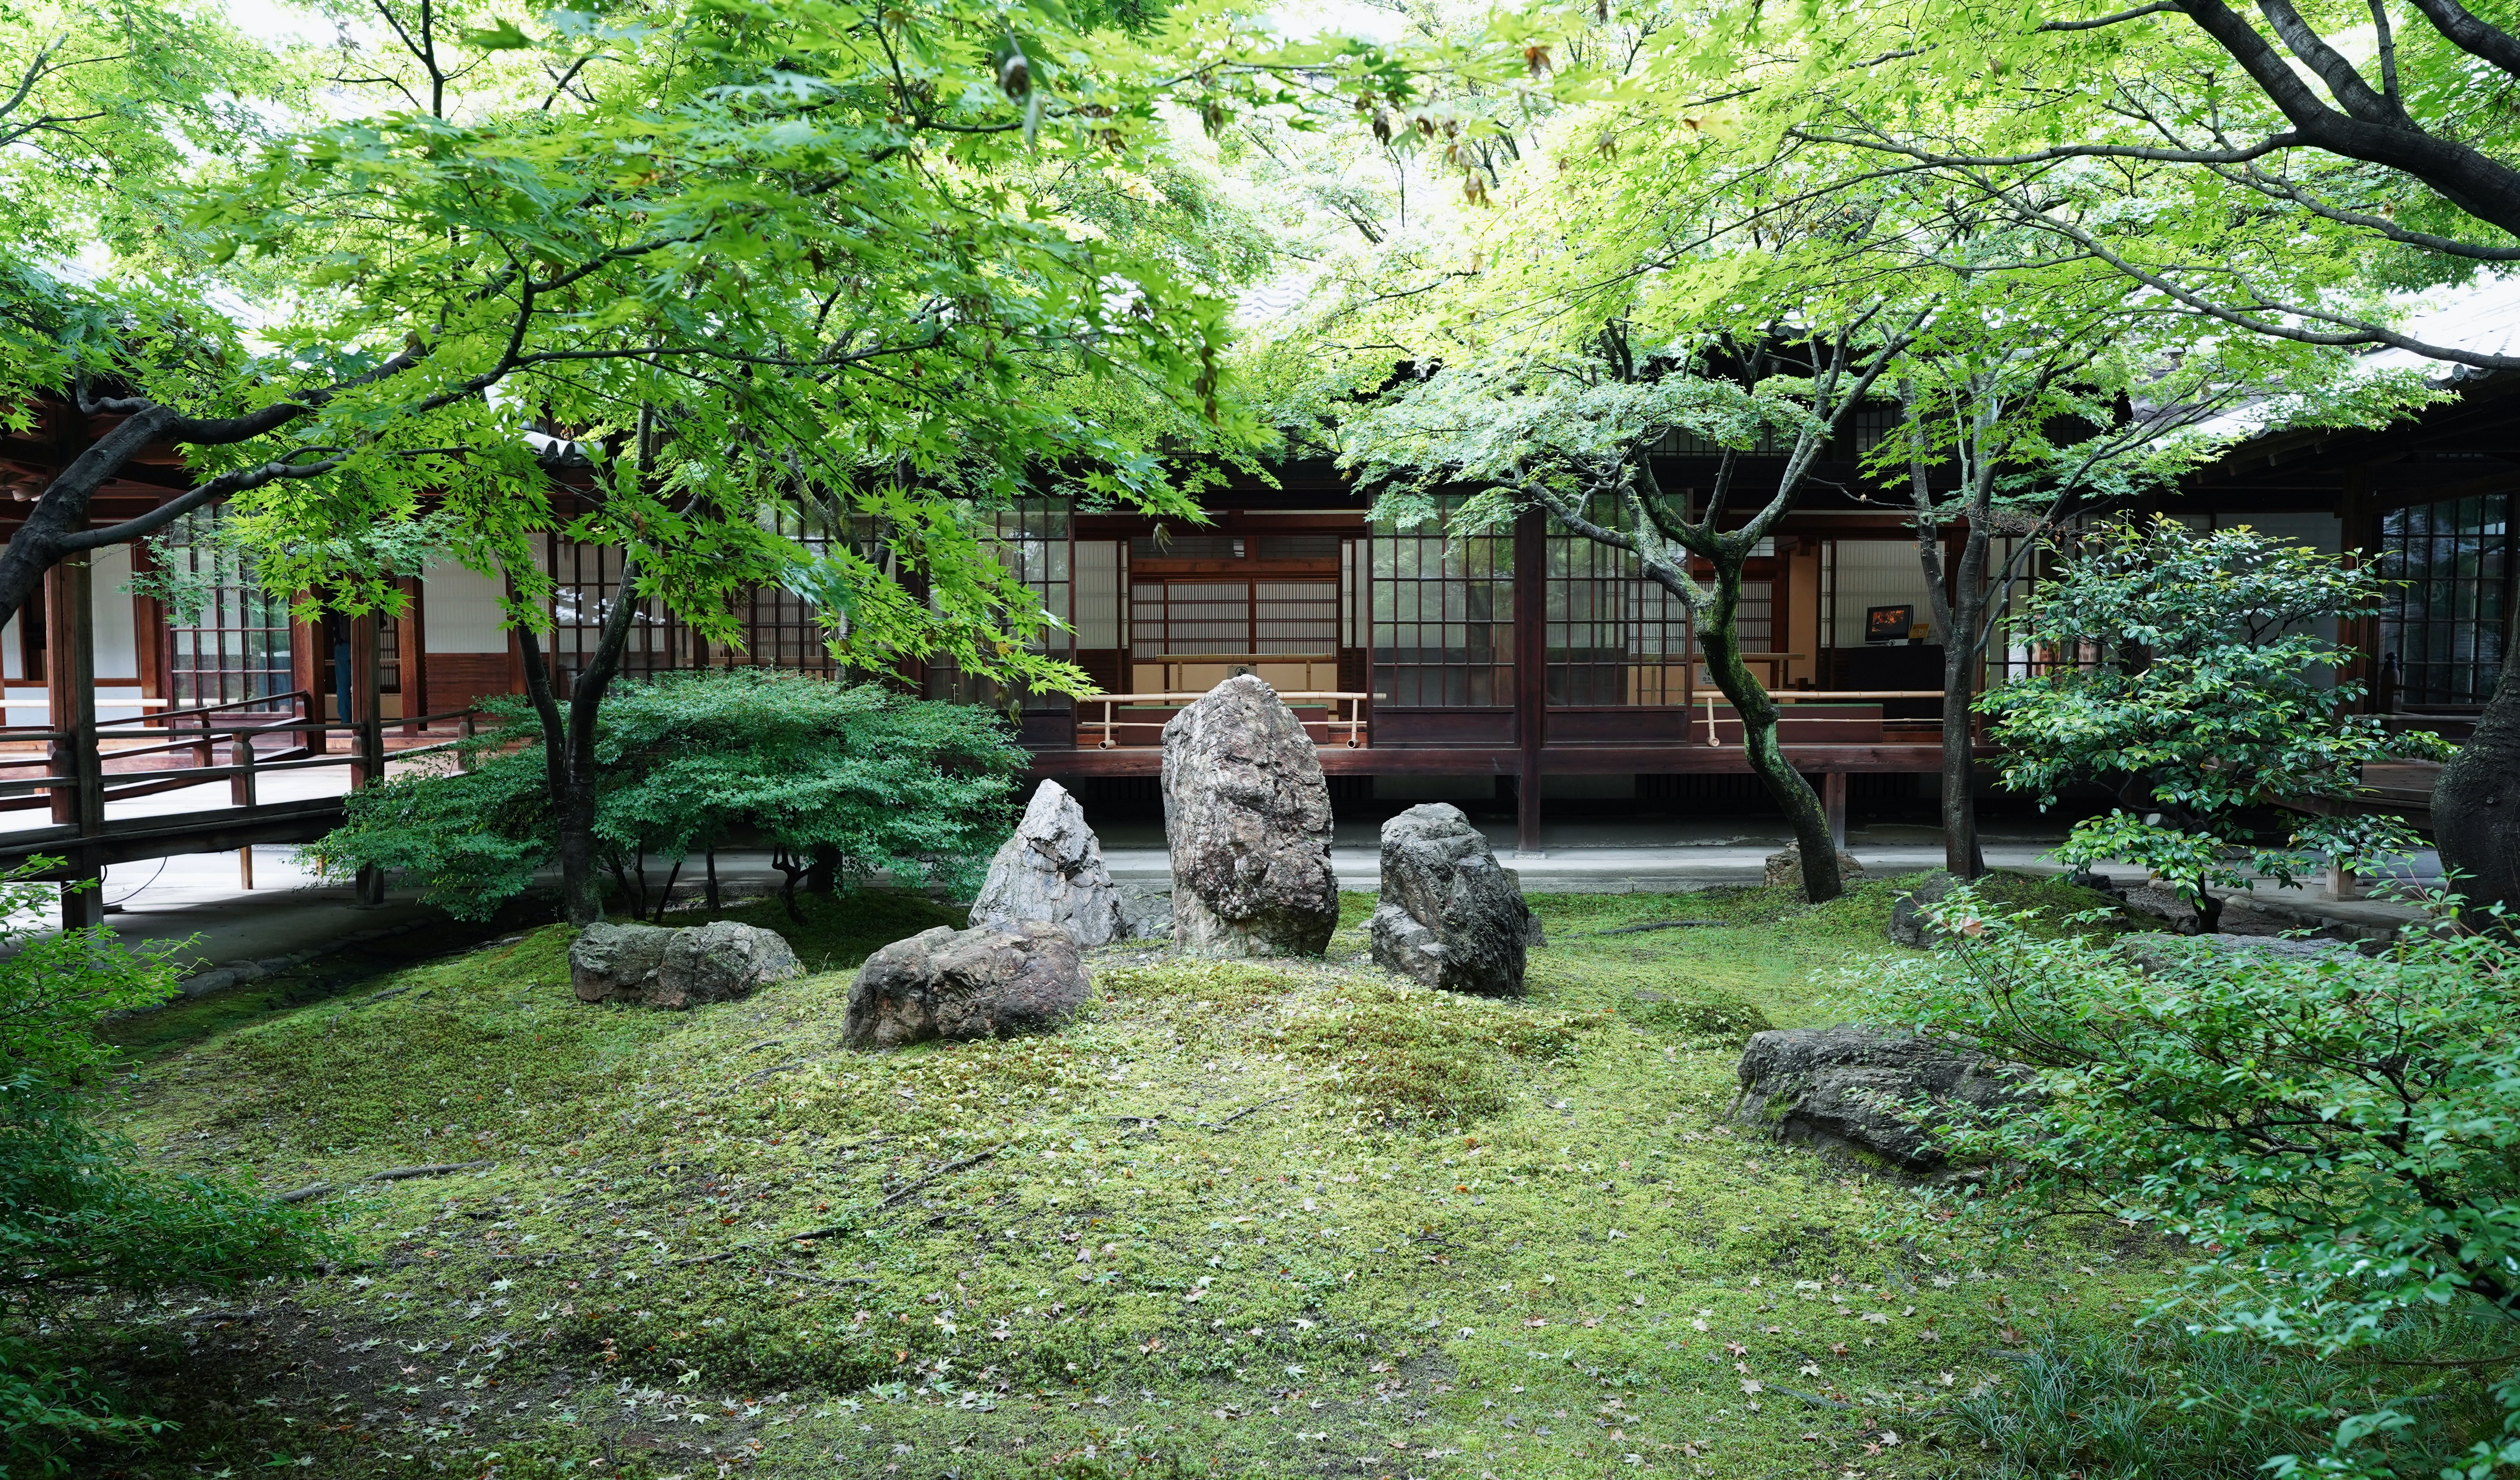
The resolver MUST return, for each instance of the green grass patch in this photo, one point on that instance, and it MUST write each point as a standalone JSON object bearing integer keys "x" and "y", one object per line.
{"x": 1407, "y": 1049}
{"x": 1268, "y": 1218}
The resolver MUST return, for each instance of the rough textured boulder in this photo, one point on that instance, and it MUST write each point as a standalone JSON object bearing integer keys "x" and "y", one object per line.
{"x": 610, "y": 962}
{"x": 719, "y": 961}
{"x": 1248, "y": 818}
{"x": 1449, "y": 915}
{"x": 1908, "y": 924}
{"x": 1145, "y": 912}
{"x": 1052, "y": 871}
{"x": 1837, "y": 1087}
{"x": 657, "y": 968}
{"x": 992, "y": 982}
{"x": 1785, "y": 870}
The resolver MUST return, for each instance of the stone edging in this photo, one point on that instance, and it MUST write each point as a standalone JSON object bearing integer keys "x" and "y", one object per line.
{"x": 230, "y": 973}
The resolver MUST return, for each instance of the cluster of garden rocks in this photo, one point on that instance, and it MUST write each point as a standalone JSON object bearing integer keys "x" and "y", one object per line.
{"x": 1247, "y": 828}
{"x": 1248, "y": 825}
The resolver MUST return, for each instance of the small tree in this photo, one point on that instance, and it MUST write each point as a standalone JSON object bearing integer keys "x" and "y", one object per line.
{"x": 2329, "y": 1136}
{"x": 1577, "y": 438}
{"x": 845, "y": 779}
{"x": 78, "y": 1209}
{"x": 2188, "y": 678}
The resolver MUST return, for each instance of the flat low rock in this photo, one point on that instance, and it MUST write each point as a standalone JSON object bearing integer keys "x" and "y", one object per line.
{"x": 1052, "y": 871}
{"x": 1449, "y": 916}
{"x": 994, "y": 981}
{"x": 1837, "y": 1087}
{"x": 659, "y": 967}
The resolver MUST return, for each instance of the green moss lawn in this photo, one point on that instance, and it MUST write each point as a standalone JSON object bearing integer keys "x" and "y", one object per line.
{"x": 1245, "y": 1219}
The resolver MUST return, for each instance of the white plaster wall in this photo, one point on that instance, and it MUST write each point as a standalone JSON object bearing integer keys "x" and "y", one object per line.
{"x": 461, "y": 610}
{"x": 118, "y": 655}
{"x": 13, "y": 666}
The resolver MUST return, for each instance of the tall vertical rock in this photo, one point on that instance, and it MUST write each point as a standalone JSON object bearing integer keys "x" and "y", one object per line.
{"x": 1248, "y": 818}
{"x": 1052, "y": 871}
{"x": 1450, "y": 914}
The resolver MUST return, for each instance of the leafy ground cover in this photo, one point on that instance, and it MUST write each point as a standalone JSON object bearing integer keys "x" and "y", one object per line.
{"x": 1247, "y": 1219}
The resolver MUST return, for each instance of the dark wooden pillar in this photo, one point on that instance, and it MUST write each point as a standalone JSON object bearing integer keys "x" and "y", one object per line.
{"x": 69, "y": 690}
{"x": 413, "y": 658}
{"x": 1530, "y": 671}
{"x": 307, "y": 653}
{"x": 1832, "y": 804}
{"x": 368, "y": 739}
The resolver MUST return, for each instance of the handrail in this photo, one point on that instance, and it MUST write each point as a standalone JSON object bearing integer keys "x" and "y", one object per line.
{"x": 1236, "y": 658}
{"x": 1813, "y": 695}
{"x": 263, "y": 704}
{"x": 1354, "y": 724}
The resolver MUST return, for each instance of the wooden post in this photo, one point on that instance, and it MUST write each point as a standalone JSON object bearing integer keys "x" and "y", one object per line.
{"x": 1832, "y": 801}
{"x": 1530, "y": 671}
{"x": 367, "y": 703}
{"x": 306, "y": 651}
{"x": 69, "y": 684}
{"x": 241, "y": 790}
{"x": 413, "y": 659}
{"x": 368, "y": 741}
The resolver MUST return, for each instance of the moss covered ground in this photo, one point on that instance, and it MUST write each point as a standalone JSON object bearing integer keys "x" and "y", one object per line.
{"x": 1244, "y": 1219}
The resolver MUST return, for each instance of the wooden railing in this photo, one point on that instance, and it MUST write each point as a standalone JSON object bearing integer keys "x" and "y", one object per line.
{"x": 1819, "y": 697}
{"x": 1353, "y": 724}
{"x": 196, "y": 733}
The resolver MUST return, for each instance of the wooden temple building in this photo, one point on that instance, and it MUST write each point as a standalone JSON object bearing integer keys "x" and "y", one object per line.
{"x": 1520, "y": 671}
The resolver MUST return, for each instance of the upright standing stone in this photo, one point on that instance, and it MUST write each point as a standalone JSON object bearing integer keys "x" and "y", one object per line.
{"x": 1247, "y": 817}
{"x": 1052, "y": 871}
{"x": 1449, "y": 916}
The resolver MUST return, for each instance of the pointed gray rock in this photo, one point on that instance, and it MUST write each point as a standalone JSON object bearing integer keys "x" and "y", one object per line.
{"x": 1248, "y": 818}
{"x": 1450, "y": 914}
{"x": 1052, "y": 871}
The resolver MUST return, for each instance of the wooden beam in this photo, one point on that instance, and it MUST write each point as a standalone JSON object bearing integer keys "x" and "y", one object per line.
{"x": 134, "y": 839}
{"x": 412, "y": 659}
{"x": 367, "y": 707}
{"x": 367, "y": 711}
{"x": 69, "y": 690}
{"x": 1530, "y": 673}
{"x": 307, "y": 654}
{"x": 1555, "y": 760}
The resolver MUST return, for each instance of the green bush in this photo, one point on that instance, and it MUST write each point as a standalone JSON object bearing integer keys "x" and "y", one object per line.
{"x": 850, "y": 779}
{"x": 78, "y": 1211}
{"x": 2333, "y": 1137}
{"x": 2169, "y": 1403}
{"x": 2208, "y": 698}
